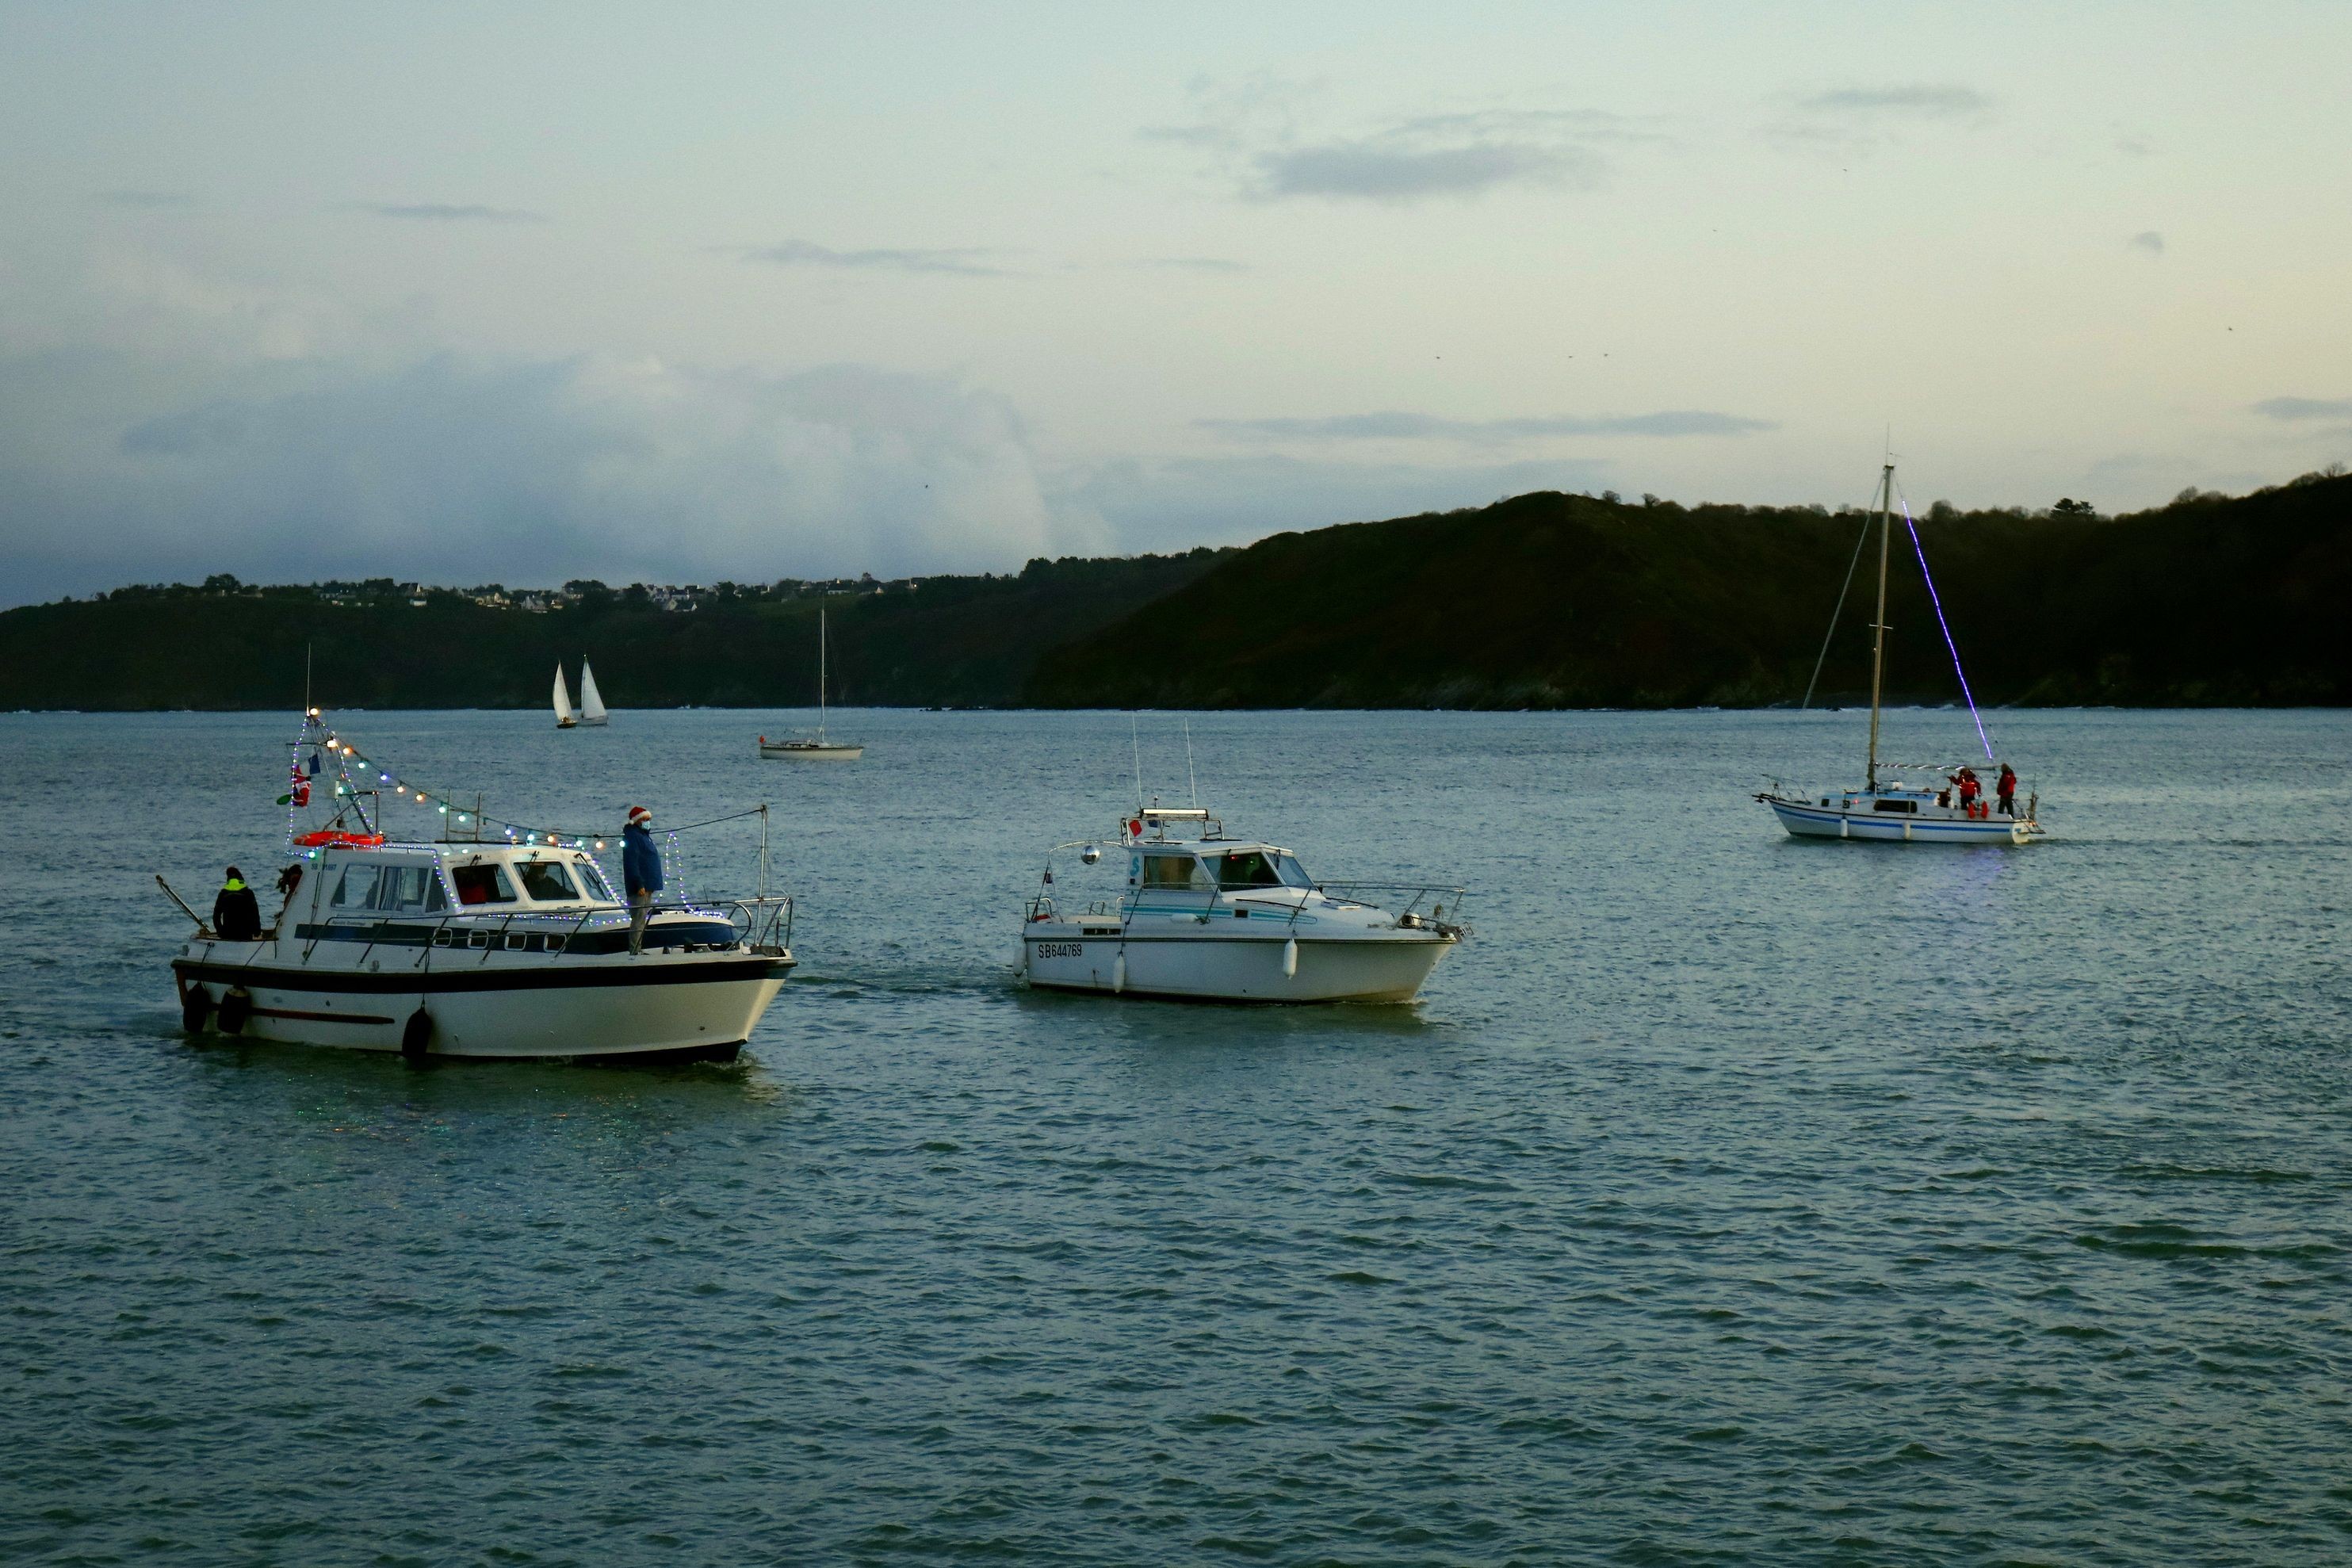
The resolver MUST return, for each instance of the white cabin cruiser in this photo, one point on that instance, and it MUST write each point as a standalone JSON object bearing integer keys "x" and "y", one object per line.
{"x": 1210, "y": 917}
{"x": 466, "y": 950}
{"x": 1898, "y": 813}
{"x": 464, "y": 947}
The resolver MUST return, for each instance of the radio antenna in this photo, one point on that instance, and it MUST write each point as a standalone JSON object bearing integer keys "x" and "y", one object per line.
{"x": 1190, "y": 776}
{"x": 1136, "y": 742}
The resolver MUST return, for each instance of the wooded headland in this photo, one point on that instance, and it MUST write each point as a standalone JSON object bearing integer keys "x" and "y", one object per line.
{"x": 1541, "y": 601}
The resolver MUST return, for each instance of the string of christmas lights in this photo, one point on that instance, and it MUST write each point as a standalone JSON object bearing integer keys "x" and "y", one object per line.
{"x": 323, "y": 741}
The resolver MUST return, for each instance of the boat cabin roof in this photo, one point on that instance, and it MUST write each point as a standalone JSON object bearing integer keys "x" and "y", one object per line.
{"x": 457, "y": 851}
{"x": 497, "y": 877}
{"x": 1210, "y": 847}
{"x": 1170, "y": 824}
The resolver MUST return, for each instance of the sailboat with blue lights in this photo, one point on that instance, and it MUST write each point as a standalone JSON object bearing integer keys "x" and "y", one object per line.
{"x": 1938, "y": 803}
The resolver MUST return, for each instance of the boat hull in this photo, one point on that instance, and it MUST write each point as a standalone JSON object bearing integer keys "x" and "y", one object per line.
{"x": 653, "y": 1005}
{"x": 1230, "y": 968}
{"x": 812, "y": 754}
{"x": 1804, "y": 820}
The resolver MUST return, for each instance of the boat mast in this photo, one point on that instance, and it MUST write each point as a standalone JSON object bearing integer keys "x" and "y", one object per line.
{"x": 820, "y": 672}
{"x": 1878, "y": 640}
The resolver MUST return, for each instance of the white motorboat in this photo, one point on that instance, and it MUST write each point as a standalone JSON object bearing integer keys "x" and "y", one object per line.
{"x": 1885, "y": 811}
{"x": 564, "y": 718}
{"x": 592, "y": 702}
{"x": 819, "y": 750}
{"x": 1206, "y": 917}
{"x": 458, "y": 948}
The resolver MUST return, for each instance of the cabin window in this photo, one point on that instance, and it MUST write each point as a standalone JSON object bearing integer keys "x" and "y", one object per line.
{"x": 1246, "y": 869}
{"x": 407, "y": 890}
{"x": 548, "y": 882}
{"x": 481, "y": 884}
{"x": 1907, "y": 807}
{"x": 1294, "y": 875}
{"x": 356, "y": 889}
{"x": 1173, "y": 871}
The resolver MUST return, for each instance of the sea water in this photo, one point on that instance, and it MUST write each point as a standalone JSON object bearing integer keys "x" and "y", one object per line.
{"x": 1725, "y": 1199}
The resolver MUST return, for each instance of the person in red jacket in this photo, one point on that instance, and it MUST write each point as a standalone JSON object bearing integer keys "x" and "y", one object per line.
{"x": 1969, "y": 790}
{"x": 2008, "y": 787}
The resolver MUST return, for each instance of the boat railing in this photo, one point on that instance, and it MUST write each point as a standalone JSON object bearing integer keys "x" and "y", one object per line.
{"x": 763, "y": 925}
{"x": 1440, "y": 899}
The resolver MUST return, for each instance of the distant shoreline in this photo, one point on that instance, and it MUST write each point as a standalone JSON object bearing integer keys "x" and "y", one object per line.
{"x": 1543, "y": 602}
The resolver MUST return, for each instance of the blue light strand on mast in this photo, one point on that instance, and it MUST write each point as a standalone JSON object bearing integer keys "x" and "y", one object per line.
{"x": 1936, "y": 599}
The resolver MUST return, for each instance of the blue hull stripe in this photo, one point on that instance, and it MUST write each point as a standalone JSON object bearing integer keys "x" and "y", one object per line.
{"x": 2002, "y": 831}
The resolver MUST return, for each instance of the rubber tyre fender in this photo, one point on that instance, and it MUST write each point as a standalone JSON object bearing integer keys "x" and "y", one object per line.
{"x": 234, "y": 1009}
{"x": 417, "y": 1035}
{"x": 195, "y": 1008}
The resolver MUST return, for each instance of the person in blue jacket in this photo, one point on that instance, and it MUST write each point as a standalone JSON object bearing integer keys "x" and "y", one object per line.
{"x": 641, "y": 875}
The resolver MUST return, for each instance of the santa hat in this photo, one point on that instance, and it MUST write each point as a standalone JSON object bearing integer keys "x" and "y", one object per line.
{"x": 640, "y": 817}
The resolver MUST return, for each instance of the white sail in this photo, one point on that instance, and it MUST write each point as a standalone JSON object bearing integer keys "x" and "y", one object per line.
{"x": 563, "y": 719}
{"x": 592, "y": 702}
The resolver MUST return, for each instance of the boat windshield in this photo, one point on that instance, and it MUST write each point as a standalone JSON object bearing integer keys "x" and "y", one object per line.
{"x": 1245, "y": 869}
{"x": 1260, "y": 869}
{"x": 592, "y": 878}
{"x": 547, "y": 882}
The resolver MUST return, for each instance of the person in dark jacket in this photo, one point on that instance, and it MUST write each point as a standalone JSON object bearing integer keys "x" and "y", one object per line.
{"x": 641, "y": 872}
{"x": 236, "y": 913}
{"x": 2008, "y": 786}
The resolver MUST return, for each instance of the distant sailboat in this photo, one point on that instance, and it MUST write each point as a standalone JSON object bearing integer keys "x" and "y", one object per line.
{"x": 592, "y": 702}
{"x": 564, "y": 718}
{"x": 819, "y": 750}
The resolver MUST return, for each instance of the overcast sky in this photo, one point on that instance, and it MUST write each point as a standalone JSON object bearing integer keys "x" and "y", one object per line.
{"x": 687, "y": 292}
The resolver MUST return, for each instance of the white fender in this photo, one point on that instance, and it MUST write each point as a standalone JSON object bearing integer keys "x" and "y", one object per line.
{"x": 1906, "y": 830}
{"x": 1118, "y": 973}
{"x": 1845, "y": 825}
{"x": 1021, "y": 958}
{"x": 1290, "y": 958}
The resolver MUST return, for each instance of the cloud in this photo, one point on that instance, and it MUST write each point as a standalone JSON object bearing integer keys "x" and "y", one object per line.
{"x": 1854, "y": 121}
{"x": 1150, "y": 504}
{"x": 2148, "y": 240}
{"x": 1253, "y": 139}
{"x": 1399, "y": 425}
{"x": 964, "y": 262}
{"x": 460, "y": 469}
{"x": 447, "y": 212}
{"x": 1917, "y": 100}
{"x": 1392, "y": 170}
{"x": 2294, "y": 408}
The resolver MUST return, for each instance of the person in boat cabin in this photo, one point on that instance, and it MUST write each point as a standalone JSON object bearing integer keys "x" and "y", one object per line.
{"x": 2008, "y": 787}
{"x": 641, "y": 872}
{"x": 236, "y": 914}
